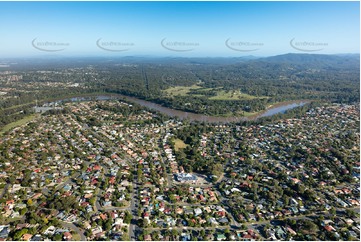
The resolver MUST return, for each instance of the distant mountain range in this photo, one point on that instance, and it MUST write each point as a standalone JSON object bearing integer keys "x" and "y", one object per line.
{"x": 315, "y": 59}
{"x": 341, "y": 61}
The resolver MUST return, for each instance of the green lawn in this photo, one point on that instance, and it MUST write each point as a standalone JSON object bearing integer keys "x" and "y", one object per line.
{"x": 179, "y": 144}
{"x": 17, "y": 123}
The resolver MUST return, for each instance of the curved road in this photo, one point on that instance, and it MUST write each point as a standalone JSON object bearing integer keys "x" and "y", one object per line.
{"x": 72, "y": 226}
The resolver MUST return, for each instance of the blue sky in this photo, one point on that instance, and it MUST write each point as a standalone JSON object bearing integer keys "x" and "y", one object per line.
{"x": 198, "y": 28}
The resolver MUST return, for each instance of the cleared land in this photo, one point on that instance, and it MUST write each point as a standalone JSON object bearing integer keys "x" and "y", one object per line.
{"x": 219, "y": 93}
{"x": 180, "y": 90}
{"x": 232, "y": 95}
{"x": 179, "y": 144}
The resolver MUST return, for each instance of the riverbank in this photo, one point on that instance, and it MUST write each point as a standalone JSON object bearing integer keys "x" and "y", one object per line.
{"x": 273, "y": 109}
{"x": 280, "y": 107}
{"x": 183, "y": 115}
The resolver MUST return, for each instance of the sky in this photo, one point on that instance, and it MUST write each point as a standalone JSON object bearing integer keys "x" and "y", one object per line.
{"x": 189, "y": 29}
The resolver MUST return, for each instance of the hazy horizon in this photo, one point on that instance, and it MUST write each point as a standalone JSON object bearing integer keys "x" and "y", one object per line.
{"x": 49, "y": 56}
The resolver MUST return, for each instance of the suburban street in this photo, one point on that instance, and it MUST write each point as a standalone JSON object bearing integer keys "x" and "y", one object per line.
{"x": 133, "y": 227}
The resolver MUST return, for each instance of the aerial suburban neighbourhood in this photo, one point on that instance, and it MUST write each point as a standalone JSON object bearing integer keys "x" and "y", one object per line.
{"x": 96, "y": 170}
{"x": 180, "y": 121}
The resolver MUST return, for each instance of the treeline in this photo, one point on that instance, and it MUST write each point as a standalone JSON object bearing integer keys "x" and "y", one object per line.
{"x": 328, "y": 78}
{"x": 269, "y": 80}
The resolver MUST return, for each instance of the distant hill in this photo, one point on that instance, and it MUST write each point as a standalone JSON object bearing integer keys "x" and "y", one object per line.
{"x": 291, "y": 60}
{"x": 316, "y": 60}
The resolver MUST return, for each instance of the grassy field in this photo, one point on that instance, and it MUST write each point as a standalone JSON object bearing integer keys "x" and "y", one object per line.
{"x": 232, "y": 95}
{"x": 180, "y": 90}
{"x": 17, "y": 123}
{"x": 179, "y": 144}
{"x": 220, "y": 94}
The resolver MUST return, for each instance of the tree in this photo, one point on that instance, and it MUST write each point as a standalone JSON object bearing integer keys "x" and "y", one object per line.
{"x": 23, "y": 211}
{"x": 87, "y": 233}
{"x": 310, "y": 226}
{"x": 350, "y": 213}
{"x": 125, "y": 237}
{"x": 155, "y": 235}
{"x": 29, "y": 202}
{"x": 291, "y": 222}
{"x": 174, "y": 233}
{"x": 128, "y": 217}
{"x": 20, "y": 233}
{"x": 54, "y": 222}
{"x": 333, "y": 211}
{"x": 140, "y": 222}
{"x": 58, "y": 237}
{"x": 108, "y": 225}
{"x": 45, "y": 221}
{"x": 217, "y": 169}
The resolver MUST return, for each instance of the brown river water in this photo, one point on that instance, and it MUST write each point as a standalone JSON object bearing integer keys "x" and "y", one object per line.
{"x": 275, "y": 109}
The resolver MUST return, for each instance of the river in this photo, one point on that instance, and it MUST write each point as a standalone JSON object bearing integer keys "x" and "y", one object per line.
{"x": 277, "y": 108}
{"x": 281, "y": 108}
